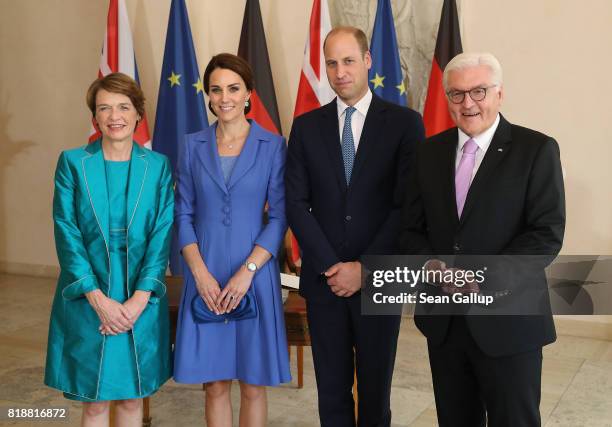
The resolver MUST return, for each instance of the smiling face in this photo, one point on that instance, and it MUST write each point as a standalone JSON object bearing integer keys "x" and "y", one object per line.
{"x": 116, "y": 116}
{"x": 474, "y": 117}
{"x": 347, "y": 67}
{"x": 227, "y": 94}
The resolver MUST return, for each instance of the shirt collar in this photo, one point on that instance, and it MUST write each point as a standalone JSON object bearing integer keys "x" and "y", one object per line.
{"x": 362, "y": 105}
{"x": 483, "y": 140}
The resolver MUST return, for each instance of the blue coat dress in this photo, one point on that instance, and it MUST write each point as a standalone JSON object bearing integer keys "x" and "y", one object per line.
{"x": 226, "y": 221}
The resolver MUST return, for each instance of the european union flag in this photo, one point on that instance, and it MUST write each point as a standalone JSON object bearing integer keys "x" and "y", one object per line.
{"x": 385, "y": 76}
{"x": 180, "y": 103}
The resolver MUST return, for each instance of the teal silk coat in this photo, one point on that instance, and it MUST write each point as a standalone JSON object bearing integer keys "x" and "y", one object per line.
{"x": 81, "y": 216}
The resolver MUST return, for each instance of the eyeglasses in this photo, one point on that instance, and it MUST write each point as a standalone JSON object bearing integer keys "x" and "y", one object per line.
{"x": 477, "y": 94}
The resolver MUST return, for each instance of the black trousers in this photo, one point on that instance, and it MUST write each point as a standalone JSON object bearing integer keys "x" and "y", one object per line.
{"x": 342, "y": 340}
{"x": 472, "y": 388}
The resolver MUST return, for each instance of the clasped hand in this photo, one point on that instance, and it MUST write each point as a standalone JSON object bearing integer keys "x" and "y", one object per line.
{"x": 450, "y": 287}
{"x": 225, "y": 300}
{"x": 116, "y": 318}
{"x": 344, "y": 278}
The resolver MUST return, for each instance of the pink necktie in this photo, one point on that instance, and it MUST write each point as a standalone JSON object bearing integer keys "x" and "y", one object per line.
{"x": 463, "y": 175}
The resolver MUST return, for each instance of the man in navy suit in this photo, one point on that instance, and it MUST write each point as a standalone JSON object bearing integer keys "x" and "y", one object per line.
{"x": 345, "y": 178}
{"x": 486, "y": 187}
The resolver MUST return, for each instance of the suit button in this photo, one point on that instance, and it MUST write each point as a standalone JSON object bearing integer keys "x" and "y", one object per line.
{"x": 348, "y": 217}
{"x": 456, "y": 247}
{"x": 227, "y": 222}
{"x": 226, "y": 198}
{"x": 226, "y": 209}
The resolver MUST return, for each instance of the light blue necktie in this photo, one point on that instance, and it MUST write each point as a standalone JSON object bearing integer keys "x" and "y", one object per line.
{"x": 348, "y": 145}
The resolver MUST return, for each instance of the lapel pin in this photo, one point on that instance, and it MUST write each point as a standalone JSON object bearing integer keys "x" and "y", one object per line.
{"x": 500, "y": 149}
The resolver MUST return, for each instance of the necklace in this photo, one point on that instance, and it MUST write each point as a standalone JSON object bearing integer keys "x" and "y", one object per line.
{"x": 225, "y": 144}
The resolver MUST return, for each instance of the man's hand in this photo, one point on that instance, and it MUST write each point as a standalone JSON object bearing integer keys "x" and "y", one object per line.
{"x": 344, "y": 278}
{"x": 463, "y": 287}
{"x": 434, "y": 269}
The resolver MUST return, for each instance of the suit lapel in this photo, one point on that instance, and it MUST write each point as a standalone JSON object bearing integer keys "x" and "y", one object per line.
{"x": 499, "y": 148}
{"x": 331, "y": 139}
{"x": 94, "y": 174}
{"x": 447, "y": 154}
{"x": 372, "y": 132}
{"x": 136, "y": 180}
{"x": 248, "y": 155}
{"x": 209, "y": 156}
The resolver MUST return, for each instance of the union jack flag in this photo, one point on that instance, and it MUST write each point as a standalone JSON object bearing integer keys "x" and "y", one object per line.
{"x": 314, "y": 90}
{"x": 118, "y": 56}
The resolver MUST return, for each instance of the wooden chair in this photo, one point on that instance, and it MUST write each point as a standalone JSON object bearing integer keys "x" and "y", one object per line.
{"x": 296, "y": 325}
{"x": 174, "y": 287}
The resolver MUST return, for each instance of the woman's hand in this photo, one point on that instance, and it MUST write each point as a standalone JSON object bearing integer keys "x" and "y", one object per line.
{"x": 234, "y": 291}
{"x": 114, "y": 317}
{"x": 209, "y": 290}
{"x": 136, "y": 304}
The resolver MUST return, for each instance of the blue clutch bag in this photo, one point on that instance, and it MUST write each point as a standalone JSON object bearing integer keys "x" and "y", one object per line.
{"x": 247, "y": 309}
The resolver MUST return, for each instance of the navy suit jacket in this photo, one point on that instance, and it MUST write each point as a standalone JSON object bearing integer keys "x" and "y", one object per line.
{"x": 334, "y": 221}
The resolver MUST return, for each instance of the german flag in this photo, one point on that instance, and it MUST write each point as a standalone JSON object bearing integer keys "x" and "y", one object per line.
{"x": 254, "y": 50}
{"x": 448, "y": 45}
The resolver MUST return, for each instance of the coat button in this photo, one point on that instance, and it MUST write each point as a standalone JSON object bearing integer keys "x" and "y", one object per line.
{"x": 348, "y": 217}
{"x": 226, "y": 198}
{"x": 226, "y": 209}
{"x": 456, "y": 247}
{"x": 226, "y": 222}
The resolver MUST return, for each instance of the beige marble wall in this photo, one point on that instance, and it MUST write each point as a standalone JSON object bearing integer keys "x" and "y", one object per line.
{"x": 553, "y": 53}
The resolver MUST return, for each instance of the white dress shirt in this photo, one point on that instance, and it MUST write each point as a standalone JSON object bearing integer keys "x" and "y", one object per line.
{"x": 358, "y": 117}
{"x": 483, "y": 141}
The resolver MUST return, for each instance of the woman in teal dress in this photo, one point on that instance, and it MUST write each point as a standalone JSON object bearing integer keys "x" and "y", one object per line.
{"x": 112, "y": 209}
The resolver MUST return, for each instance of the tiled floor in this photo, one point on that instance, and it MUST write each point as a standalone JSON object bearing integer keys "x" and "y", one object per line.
{"x": 576, "y": 390}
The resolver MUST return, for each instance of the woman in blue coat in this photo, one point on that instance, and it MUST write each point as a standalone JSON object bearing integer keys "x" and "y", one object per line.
{"x": 112, "y": 208}
{"x": 225, "y": 176}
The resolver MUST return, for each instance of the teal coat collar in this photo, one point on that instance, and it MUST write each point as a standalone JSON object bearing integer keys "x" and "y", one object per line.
{"x": 94, "y": 173}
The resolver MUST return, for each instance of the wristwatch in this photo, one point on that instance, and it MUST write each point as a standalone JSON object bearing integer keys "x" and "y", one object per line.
{"x": 251, "y": 266}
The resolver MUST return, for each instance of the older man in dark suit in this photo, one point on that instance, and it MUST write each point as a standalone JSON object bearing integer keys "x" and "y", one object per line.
{"x": 485, "y": 187}
{"x": 345, "y": 176}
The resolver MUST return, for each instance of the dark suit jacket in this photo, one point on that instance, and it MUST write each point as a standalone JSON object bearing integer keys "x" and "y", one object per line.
{"x": 515, "y": 206}
{"x": 334, "y": 222}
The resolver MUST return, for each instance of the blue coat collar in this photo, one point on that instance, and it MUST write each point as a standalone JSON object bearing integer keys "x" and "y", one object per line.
{"x": 209, "y": 155}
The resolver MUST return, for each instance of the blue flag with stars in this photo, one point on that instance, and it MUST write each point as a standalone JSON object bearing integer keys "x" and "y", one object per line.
{"x": 180, "y": 103}
{"x": 385, "y": 76}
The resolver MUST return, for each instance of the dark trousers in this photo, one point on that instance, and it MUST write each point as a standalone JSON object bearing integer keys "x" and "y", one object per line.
{"x": 472, "y": 388}
{"x": 343, "y": 339}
